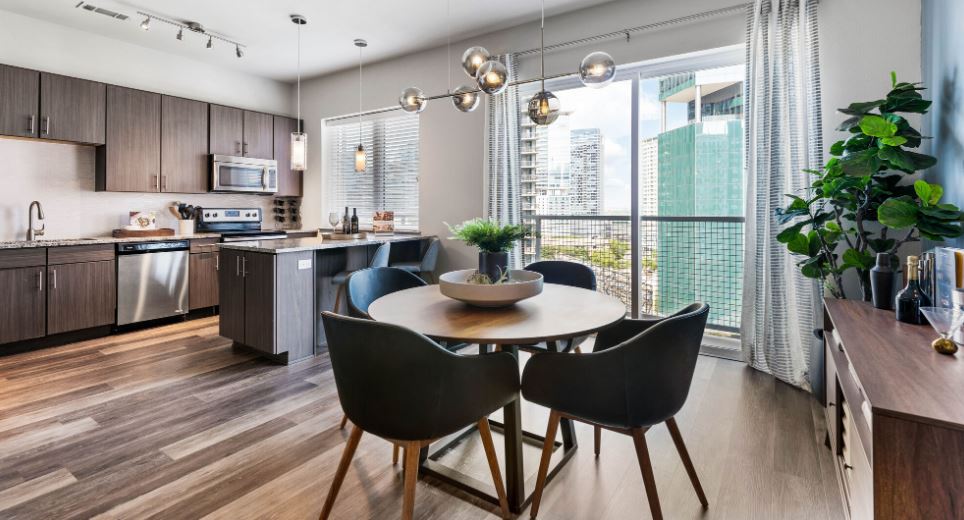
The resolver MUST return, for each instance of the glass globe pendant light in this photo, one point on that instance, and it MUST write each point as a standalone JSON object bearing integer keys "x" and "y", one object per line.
{"x": 299, "y": 140}
{"x": 360, "y": 159}
{"x": 544, "y": 107}
{"x": 473, "y": 58}
{"x": 412, "y": 100}
{"x": 597, "y": 70}
{"x": 466, "y": 98}
{"x": 492, "y": 77}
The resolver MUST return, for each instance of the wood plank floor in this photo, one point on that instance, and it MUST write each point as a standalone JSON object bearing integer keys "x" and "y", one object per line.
{"x": 173, "y": 423}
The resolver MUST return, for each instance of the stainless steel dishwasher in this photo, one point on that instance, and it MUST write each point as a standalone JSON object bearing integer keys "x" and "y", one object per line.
{"x": 152, "y": 280}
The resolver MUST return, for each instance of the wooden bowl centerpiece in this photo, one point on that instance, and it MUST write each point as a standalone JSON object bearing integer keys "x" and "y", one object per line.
{"x": 474, "y": 289}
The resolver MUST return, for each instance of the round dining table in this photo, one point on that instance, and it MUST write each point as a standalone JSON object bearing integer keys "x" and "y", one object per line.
{"x": 559, "y": 312}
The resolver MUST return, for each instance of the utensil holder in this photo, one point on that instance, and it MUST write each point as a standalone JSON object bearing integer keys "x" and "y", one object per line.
{"x": 185, "y": 227}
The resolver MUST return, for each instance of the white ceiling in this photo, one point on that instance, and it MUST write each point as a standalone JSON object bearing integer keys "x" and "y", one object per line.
{"x": 392, "y": 27}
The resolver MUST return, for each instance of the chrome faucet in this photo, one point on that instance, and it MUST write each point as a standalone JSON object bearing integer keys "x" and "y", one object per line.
{"x": 32, "y": 231}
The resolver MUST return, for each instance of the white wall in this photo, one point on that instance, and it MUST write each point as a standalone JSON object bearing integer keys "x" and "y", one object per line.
{"x": 61, "y": 176}
{"x": 452, "y": 143}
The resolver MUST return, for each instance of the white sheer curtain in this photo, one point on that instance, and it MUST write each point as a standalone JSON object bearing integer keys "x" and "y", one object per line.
{"x": 502, "y": 158}
{"x": 783, "y": 137}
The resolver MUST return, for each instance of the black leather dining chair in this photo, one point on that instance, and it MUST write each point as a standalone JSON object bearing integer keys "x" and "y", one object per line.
{"x": 367, "y": 285}
{"x": 626, "y": 388}
{"x": 379, "y": 259}
{"x": 403, "y": 387}
{"x": 425, "y": 267}
{"x": 562, "y": 272}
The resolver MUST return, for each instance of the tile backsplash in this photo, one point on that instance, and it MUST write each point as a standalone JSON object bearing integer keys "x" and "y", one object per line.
{"x": 61, "y": 177}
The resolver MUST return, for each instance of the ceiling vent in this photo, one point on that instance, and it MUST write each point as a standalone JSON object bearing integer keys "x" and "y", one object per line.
{"x": 101, "y": 10}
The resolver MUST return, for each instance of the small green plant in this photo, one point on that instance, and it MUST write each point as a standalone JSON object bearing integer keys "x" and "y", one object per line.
{"x": 483, "y": 279}
{"x": 488, "y": 235}
{"x": 860, "y": 203}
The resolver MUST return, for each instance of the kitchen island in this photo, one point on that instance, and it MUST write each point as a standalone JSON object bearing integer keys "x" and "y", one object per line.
{"x": 272, "y": 292}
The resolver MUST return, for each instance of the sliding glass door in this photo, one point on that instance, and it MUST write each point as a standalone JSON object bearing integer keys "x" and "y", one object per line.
{"x": 643, "y": 181}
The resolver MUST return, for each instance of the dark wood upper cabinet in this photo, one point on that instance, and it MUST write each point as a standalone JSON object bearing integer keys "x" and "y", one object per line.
{"x": 289, "y": 181}
{"x": 80, "y": 296}
{"x": 19, "y": 101}
{"x": 22, "y": 303}
{"x": 227, "y": 130}
{"x": 258, "y": 135}
{"x": 184, "y": 145}
{"x": 131, "y": 160}
{"x": 72, "y": 109}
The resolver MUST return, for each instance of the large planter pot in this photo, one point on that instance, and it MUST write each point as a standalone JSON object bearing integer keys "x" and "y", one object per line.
{"x": 493, "y": 264}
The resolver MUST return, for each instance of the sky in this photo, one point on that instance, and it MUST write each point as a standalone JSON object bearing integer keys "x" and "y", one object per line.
{"x": 609, "y": 109}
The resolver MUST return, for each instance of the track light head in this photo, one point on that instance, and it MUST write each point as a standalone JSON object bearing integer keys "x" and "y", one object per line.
{"x": 210, "y": 42}
{"x": 180, "y": 34}
{"x": 237, "y": 50}
{"x": 146, "y": 24}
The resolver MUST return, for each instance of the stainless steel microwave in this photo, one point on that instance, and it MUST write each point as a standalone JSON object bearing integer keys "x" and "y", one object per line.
{"x": 243, "y": 174}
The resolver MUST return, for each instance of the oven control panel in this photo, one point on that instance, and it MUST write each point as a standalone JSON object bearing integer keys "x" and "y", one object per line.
{"x": 231, "y": 215}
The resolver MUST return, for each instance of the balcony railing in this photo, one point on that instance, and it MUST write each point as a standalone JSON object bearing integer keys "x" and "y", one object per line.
{"x": 680, "y": 260}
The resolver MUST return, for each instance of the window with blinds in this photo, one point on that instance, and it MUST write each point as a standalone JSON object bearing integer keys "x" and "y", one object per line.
{"x": 390, "y": 180}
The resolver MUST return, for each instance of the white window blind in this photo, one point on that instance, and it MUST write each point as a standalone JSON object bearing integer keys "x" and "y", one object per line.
{"x": 390, "y": 180}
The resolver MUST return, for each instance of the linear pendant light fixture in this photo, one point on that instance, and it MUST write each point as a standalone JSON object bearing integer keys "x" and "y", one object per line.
{"x": 360, "y": 159}
{"x": 596, "y": 70}
{"x": 299, "y": 140}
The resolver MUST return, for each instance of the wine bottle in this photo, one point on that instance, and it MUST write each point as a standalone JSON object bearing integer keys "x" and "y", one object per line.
{"x": 911, "y": 298}
{"x": 354, "y": 220}
{"x": 346, "y": 223}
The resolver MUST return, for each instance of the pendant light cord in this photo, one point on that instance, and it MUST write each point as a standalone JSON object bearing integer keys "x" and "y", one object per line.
{"x": 448, "y": 45}
{"x": 359, "y": 95}
{"x": 542, "y": 44}
{"x": 299, "y": 78}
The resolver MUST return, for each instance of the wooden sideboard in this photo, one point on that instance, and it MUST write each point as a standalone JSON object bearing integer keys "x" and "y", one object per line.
{"x": 895, "y": 415}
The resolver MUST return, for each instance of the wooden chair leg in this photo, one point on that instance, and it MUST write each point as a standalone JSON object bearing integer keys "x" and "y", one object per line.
{"x": 642, "y": 453}
{"x": 597, "y": 439}
{"x": 343, "y": 465}
{"x": 411, "y": 477}
{"x": 486, "y": 435}
{"x": 394, "y": 454}
{"x": 338, "y": 298}
{"x": 687, "y": 462}
{"x": 547, "y": 447}
{"x": 344, "y": 421}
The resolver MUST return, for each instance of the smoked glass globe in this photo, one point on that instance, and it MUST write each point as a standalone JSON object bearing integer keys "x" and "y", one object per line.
{"x": 473, "y": 58}
{"x": 466, "y": 98}
{"x": 492, "y": 77}
{"x": 412, "y": 100}
{"x": 544, "y": 108}
{"x": 597, "y": 70}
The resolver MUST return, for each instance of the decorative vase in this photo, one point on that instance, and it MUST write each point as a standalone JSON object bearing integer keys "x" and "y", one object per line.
{"x": 493, "y": 264}
{"x": 882, "y": 283}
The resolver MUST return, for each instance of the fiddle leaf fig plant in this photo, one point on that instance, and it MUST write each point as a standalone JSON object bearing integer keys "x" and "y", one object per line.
{"x": 861, "y": 202}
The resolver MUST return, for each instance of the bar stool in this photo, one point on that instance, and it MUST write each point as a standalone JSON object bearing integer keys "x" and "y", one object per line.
{"x": 379, "y": 259}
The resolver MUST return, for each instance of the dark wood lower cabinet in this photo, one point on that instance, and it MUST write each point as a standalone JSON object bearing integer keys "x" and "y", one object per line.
{"x": 258, "y": 270}
{"x": 22, "y": 303}
{"x": 231, "y": 295}
{"x": 80, "y": 296}
{"x": 204, "y": 280}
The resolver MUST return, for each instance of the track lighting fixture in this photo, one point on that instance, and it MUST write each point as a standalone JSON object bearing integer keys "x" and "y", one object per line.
{"x": 180, "y": 34}
{"x": 237, "y": 50}
{"x": 210, "y": 43}
{"x": 146, "y": 24}
{"x": 194, "y": 27}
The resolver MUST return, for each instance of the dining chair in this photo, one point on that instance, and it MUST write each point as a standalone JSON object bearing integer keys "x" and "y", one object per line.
{"x": 379, "y": 259}
{"x": 626, "y": 388}
{"x": 562, "y": 272}
{"x": 399, "y": 385}
{"x": 425, "y": 267}
{"x": 618, "y": 333}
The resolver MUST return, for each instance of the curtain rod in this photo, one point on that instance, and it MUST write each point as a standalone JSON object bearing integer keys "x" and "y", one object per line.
{"x": 624, "y": 33}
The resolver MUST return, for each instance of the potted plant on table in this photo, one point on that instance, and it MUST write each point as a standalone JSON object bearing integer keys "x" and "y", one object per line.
{"x": 860, "y": 204}
{"x": 493, "y": 241}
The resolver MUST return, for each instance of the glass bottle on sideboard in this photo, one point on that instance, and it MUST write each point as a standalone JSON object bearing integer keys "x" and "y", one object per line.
{"x": 346, "y": 223}
{"x": 354, "y": 220}
{"x": 911, "y": 298}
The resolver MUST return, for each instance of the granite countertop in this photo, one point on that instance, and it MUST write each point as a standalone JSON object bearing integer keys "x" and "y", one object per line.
{"x": 64, "y": 242}
{"x": 291, "y": 245}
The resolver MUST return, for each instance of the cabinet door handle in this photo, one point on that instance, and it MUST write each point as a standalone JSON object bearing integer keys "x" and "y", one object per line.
{"x": 244, "y": 267}
{"x": 237, "y": 266}
{"x": 847, "y": 466}
{"x": 40, "y": 281}
{"x": 45, "y": 125}
{"x": 163, "y": 182}
{"x": 33, "y": 119}
{"x": 237, "y": 146}
{"x": 54, "y": 283}
{"x": 244, "y": 148}
{"x": 217, "y": 262}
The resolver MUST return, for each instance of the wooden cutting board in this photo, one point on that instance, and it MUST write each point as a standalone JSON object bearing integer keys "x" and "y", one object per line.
{"x": 143, "y": 233}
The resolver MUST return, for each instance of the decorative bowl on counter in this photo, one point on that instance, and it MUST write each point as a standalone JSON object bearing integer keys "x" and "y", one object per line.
{"x": 458, "y": 285}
